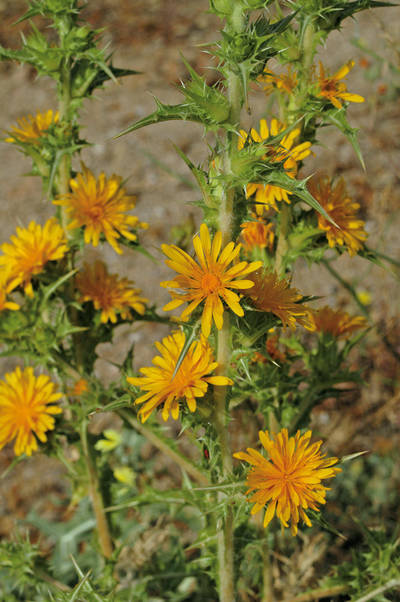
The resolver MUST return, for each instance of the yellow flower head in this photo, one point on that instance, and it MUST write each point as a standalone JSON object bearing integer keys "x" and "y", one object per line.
{"x": 332, "y": 89}
{"x": 258, "y": 234}
{"x": 338, "y": 323}
{"x": 190, "y": 381}
{"x": 109, "y": 293}
{"x": 286, "y": 81}
{"x": 100, "y": 206}
{"x": 290, "y": 481}
{"x": 31, "y": 249}
{"x": 284, "y": 152}
{"x": 26, "y": 409}
{"x": 209, "y": 279}
{"x": 343, "y": 211}
{"x": 270, "y": 294}
{"x": 31, "y": 128}
{"x": 7, "y": 284}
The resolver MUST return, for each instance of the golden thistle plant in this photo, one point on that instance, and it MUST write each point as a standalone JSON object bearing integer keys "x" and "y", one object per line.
{"x": 247, "y": 347}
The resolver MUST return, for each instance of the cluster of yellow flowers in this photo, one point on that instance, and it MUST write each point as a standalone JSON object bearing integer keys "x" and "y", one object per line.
{"x": 211, "y": 282}
{"x": 100, "y": 207}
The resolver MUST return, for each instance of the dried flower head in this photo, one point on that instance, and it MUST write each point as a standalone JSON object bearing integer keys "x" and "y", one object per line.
{"x": 258, "y": 234}
{"x": 31, "y": 249}
{"x": 100, "y": 207}
{"x": 31, "y": 128}
{"x": 270, "y": 294}
{"x": 338, "y": 323}
{"x": 290, "y": 481}
{"x": 109, "y": 293}
{"x": 334, "y": 199}
{"x": 285, "y": 81}
{"x": 26, "y": 409}
{"x": 190, "y": 381}
{"x": 331, "y": 88}
{"x": 284, "y": 152}
{"x": 79, "y": 387}
{"x": 209, "y": 279}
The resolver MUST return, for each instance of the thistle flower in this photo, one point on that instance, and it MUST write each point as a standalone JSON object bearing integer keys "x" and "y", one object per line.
{"x": 270, "y": 294}
{"x": 284, "y": 152}
{"x": 208, "y": 279}
{"x": 258, "y": 234}
{"x": 31, "y": 128}
{"x": 7, "y": 284}
{"x": 109, "y": 293}
{"x": 285, "y": 82}
{"x": 190, "y": 381}
{"x": 26, "y": 409}
{"x": 342, "y": 210}
{"x": 290, "y": 480}
{"x": 334, "y": 90}
{"x": 100, "y": 207}
{"x": 31, "y": 249}
{"x": 338, "y": 323}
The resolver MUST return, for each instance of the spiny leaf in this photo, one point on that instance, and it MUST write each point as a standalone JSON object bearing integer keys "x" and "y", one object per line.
{"x": 353, "y": 456}
{"x": 339, "y": 120}
{"x": 188, "y": 341}
{"x": 299, "y": 188}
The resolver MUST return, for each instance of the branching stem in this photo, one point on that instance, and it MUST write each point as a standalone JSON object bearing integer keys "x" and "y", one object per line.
{"x": 97, "y": 498}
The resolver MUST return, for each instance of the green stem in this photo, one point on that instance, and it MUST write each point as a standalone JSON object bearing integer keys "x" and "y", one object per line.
{"x": 283, "y": 245}
{"x": 225, "y": 533}
{"x": 268, "y": 592}
{"x": 96, "y": 496}
{"x": 160, "y": 444}
{"x": 317, "y": 594}
{"x": 345, "y": 285}
{"x": 64, "y": 171}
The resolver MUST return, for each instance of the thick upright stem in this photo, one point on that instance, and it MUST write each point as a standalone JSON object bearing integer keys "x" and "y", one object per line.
{"x": 268, "y": 594}
{"x": 64, "y": 170}
{"x": 225, "y": 539}
{"x": 96, "y": 496}
{"x": 283, "y": 246}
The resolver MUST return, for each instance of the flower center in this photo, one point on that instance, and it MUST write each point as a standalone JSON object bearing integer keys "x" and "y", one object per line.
{"x": 330, "y": 86}
{"x": 96, "y": 213}
{"x": 210, "y": 283}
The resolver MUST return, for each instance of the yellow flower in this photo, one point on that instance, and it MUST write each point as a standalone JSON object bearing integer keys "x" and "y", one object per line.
{"x": 7, "y": 284}
{"x": 258, "y": 234}
{"x": 209, "y": 279}
{"x": 342, "y": 210}
{"x": 112, "y": 440}
{"x": 100, "y": 206}
{"x": 336, "y": 322}
{"x": 270, "y": 294}
{"x": 284, "y": 152}
{"x": 26, "y": 409}
{"x": 124, "y": 475}
{"x": 31, "y": 249}
{"x": 108, "y": 292}
{"x": 290, "y": 480}
{"x": 364, "y": 297}
{"x": 332, "y": 89}
{"x": 30, "y": 129}
{"x": 190, "y": 381}
{"x": 286, "y": 82}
